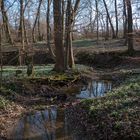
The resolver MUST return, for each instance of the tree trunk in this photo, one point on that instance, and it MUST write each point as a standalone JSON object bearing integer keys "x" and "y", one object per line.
{"x": 69, "y": 35}
{"x": 96, "y": 2}
{"x": 112, "y": 27}
{"x": 39, "y": 32}
{"x": 116, "y": 16}
{"x": 21, "y": 33}
{"x": 67, "y": 31}
{"x": 125, "y": 21}
{"x": 1, "y": 58}
{"x": 70, "y": 16}
{"x": 107, "y": 29}
{"x": 130, "y": 27}
{"x": 48, "y": 31}
{"x": 58, "y": 36}
{"x": 25, "y": 33}
{"x": 5, "y": 23}
{"x": 34, "y": 25}
{"x": 63, "y": 19}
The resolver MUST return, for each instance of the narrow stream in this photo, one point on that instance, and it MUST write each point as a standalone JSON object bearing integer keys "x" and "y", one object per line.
{"x": 51, "y": 124}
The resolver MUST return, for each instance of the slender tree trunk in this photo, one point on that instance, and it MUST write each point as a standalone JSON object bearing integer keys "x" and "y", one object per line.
{"x": 66, "y": 38}
{"x": 125, "y": 23}
{"x": 116, "y": 16}
{"x": 96, "y": 2}
{"x": 58, "y": 35}
{"x": 71, "y": 57}
{"x": 39, "y": 32}
{"x": 35, "y": 22}
{"x": 130, "y": 27}
{"x": 25, "y": 33}
{"x": 48, "y": 31}
{"x": 21, "y": 33}
{"x": 1, "y": 60}
{"x": 63, "y": 19}
{"x": 5, "y": 23}
{"x": 69, "y": 35}
{"x": 112, "y": 27}
{"x": 107, "y": 29}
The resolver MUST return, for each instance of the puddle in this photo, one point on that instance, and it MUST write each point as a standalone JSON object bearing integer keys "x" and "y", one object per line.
{"x": 49, "y": 124}
{"x": 95, "y": 89}
{"x": 52, "y": 124}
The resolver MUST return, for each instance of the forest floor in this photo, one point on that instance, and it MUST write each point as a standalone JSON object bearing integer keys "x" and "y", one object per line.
{"x": 115, "y": 66}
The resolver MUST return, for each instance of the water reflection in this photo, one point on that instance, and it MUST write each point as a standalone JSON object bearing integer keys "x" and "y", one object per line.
{"x": 38, "y": 126}
{"x": 95, "y": 89}
{"x": 49, "y": 124}
{"x": 52, "y": 123}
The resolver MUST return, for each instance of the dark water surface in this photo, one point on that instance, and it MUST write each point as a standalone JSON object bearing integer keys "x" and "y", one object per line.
{"x": 95, "y": 89}
{"x": 52, "y": 124}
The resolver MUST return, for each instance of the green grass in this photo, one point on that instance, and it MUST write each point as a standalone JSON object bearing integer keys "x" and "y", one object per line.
{"x": 39, "y": 71}
{"x": 10, "y": 71}
{"x": 84, "y": 43}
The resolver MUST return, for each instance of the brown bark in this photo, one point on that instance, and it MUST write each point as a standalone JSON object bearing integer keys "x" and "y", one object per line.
{"x": 70, "y": 16}
{"x": 112, "y": 27}
{"x": 107, "y": 29}
{"x": 21, "y": 33}
{"x": 124, "y": 23}
{"x": 21, "y": 26}
{"x": 35, "y": 22}
{"x": 5, "y": 23}
{"x": 116, "y": 16}
{"x": 1, "y": 60}
{"x": 25, "y": 33}
{"x": 39, "y": 32}
{"x": 130, "y": 27}
{"x": 48, "y": 31}
{"x": 97, "y": 12}
{"x": 58, "y": 35}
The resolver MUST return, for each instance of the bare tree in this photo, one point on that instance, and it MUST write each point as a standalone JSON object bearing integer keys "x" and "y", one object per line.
{"x": 109, "y": 18}
{"x": 49, "y": 30}
{"x": 124, "y": 22}
{"x": 58, "y": 35}
{"x": 130, "y": 27}
{"x": 69, "y": 28}
{"x": 116, "y": 16}
{"x": 5, "y": 23}
{"x": 35, "y": 22}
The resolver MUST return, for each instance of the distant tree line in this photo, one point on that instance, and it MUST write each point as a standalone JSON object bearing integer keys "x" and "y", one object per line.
{"x": 60, "y": 21}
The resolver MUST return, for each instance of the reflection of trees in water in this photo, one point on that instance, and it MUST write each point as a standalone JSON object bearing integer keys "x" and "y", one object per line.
{"x": 40, "y": 125}
{"x": 45, "y": 125}
{"x": 51, "y": 124}
{"x": 95, "y": 89}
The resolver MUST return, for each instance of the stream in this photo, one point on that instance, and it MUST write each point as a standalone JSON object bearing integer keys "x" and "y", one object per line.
{"x": 51, "y": 123}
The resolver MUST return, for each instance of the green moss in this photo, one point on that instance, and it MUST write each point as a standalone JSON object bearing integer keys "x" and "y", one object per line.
{"x": 3, "y": 103}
